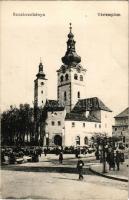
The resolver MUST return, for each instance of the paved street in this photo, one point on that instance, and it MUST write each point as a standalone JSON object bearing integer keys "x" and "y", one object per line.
{"x": 31, "y": 181}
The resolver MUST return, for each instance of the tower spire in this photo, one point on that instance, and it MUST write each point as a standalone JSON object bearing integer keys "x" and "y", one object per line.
{"x": 40, "y": 59}
{"x": 70, "y": 28}
{"x": 71, "y": 57}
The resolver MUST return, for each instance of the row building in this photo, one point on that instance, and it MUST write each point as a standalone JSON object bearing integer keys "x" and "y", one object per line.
{"x": 121, "y": 128}
{"x": 72, "y": 119}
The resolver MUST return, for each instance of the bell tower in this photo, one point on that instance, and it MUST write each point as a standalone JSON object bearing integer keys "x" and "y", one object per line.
{"x": 40, "y": 88}
{"x": 71, "y": 76}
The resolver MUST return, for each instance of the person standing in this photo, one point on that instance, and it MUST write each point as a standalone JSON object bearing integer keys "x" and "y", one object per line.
{"x": 61, "y": 157}
{"x": 80, "y": 165}
{"x": 112, "y": 160}
{"x": 117, "y": 160}
{"x": 45, "y": 152}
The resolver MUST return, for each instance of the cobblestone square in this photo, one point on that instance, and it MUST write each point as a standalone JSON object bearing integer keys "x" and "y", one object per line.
{"x": 31, "y": 181}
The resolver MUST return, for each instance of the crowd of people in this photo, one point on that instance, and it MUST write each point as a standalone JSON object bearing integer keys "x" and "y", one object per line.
{"x": 13, "y": 155}
{"x": 113, "y": 156}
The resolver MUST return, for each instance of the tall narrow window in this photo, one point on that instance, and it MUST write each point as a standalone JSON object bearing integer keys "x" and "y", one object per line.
{"x": 59, "y": 123}
{"x": 77, "y": 140}
{"x": 66, "y": 77}
{"x": 81, "y": 78}
{"x": 86, "y": 140}
{"x": 61, "y": 78}
{"x": 65, "y": 96}
{"x": 75, "y": 76}
{"x": 78, "y": 95}
{"x": 53, "y": 123}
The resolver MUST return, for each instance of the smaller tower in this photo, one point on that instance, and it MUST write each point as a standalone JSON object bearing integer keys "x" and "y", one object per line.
{"x": 40, "y": 88}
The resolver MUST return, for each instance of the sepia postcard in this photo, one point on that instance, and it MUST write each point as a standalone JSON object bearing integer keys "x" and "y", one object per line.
{"x": 64, "y": 100}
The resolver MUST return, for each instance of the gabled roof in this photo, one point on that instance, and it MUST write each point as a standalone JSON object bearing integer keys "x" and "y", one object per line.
{"x": 53, "y": 105}
{"x": 90, "y": 104}
{"x": 124, "y": 113}
{"x": 80, "y": 117}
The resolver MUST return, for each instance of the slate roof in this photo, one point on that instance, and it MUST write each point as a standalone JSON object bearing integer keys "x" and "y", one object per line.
{"x": 90, "y": 104}
{"x": 80, "y": 117}
{"x": 53, "y": 105}
{"x": 123, "y": 114}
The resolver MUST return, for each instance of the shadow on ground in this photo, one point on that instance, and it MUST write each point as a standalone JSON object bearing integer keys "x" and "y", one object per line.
{"x": 31, "y": 197}
{"x": 50, "y": 169}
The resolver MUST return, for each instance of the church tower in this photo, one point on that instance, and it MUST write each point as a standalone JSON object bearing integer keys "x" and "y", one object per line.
{"x": 71, "y": 76}
{"x": 40, "y": 88}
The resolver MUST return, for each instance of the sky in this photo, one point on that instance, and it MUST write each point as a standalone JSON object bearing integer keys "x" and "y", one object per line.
{"x": 102, "y": 43}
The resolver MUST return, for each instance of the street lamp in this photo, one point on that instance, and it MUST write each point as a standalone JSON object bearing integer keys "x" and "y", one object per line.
{"x": 105, "y": 147}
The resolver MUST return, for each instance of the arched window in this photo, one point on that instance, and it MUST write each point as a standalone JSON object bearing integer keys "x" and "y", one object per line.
{"x": 65, "y": 96}
{"x": 77, "y": 140}
{"x": 75, "y": 76}
{"x": 78, "y": 95}
{"x": 86, "y": 140}
{"x": 81, "y": 78}
{"x": 61, "y": 78}
{"x": 66, "y": 77}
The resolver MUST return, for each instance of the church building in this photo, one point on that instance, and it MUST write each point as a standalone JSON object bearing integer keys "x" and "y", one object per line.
{"x": 72, "y": 119}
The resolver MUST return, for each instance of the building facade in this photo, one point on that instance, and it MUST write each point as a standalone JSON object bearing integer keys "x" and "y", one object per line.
{"x": 121, "y": 127}
{"x": 72, "y": 119}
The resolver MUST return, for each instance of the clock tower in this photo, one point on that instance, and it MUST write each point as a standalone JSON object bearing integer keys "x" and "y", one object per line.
{"x": 71, "y": 76}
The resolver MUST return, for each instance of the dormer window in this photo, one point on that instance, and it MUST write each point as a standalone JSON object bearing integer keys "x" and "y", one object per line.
{"x": 75, "y": 76}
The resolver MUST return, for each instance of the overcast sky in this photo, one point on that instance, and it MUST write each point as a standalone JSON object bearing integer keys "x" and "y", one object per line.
{"x": 101, "y": 42}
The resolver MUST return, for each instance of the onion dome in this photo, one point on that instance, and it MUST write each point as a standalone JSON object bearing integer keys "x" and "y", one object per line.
{"x": 41, "y": 73}
{"x": 71, "y": 56}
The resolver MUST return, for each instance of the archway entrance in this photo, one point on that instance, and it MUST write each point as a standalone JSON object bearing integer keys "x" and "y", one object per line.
{"x": 58, "y": 140}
